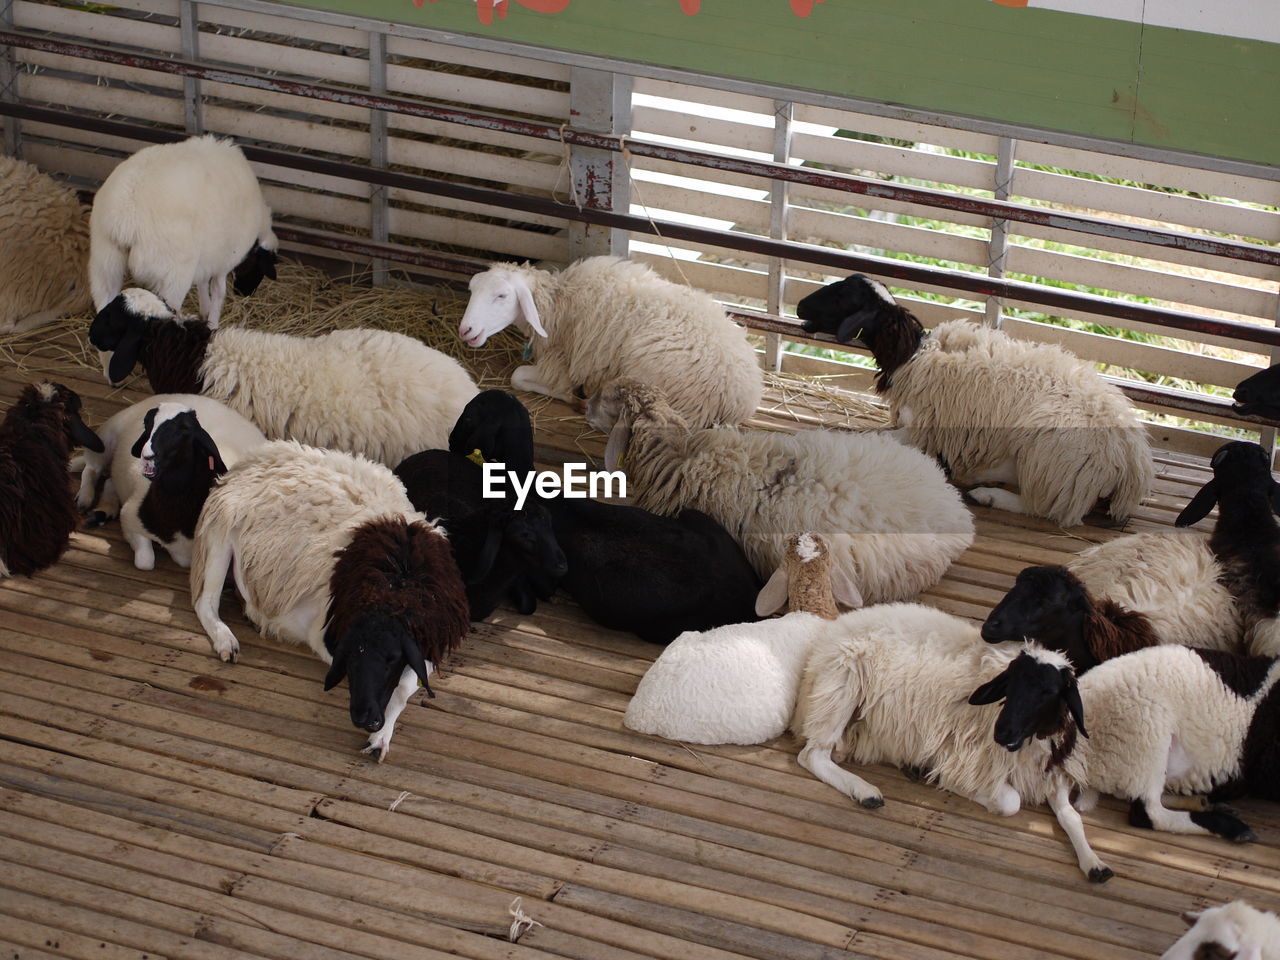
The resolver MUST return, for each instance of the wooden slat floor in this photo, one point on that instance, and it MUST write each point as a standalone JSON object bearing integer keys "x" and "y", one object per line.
{"x": 155, "y": 802}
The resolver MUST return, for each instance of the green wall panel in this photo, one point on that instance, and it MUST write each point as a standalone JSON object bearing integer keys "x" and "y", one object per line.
{"x": 1060, "y": 71}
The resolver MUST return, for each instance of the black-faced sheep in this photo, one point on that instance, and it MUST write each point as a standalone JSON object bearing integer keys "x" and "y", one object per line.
{"x": 328, "y": 552}
{"x": 1259, "y": 394}
{"x": 177, "y": 214}
{"x": 604, "y": 318}
{"x": 499, "y": 549}
{"x": 892, "y": 521}
{"x": 497, "y": 424}
{"x": 44, "y": 246}
{"x": 1246, "y": 538}
{"x": 1233, "y": 931}
{"x": 993, "y": 408}
{"x": 37, "y": 512}
{"x": 373, "y": 392}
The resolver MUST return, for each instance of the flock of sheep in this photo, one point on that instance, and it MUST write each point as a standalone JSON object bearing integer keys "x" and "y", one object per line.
{"x": 335, "y": 479}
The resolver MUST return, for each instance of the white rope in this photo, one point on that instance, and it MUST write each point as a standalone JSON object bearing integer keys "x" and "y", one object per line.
{"x": 522, "y": 922}
{"x": 404, "y": 795}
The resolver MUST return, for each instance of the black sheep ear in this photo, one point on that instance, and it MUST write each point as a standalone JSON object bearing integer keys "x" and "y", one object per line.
{"x": 337, "y": 671}
{"x": 1200, "y": 505}
{"x": 1072, "y": 695}
{"x": 991, "y": 691}
{"x": 82, "y": 435}
{"x": 488, "y": 552}
{"x": 414, "y": 656}
{"x": 125, "y": 356}
{"x": 269, "y": 261}
{"x": 148, "y": 424}
{"x": 205, "y": 444}
{"x": 851, "y": 327}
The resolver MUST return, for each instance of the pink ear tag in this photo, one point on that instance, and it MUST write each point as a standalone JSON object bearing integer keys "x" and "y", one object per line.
{"x": 211, "y": 467}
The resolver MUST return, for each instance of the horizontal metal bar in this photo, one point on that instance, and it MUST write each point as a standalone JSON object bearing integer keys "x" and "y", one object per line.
{"x": 998, "y": 209}
{"x": 970, "y": 283}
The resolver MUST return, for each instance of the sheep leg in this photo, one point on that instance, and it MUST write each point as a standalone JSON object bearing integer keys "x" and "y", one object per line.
{"x": 1006, "y": 472}
{"x": 1003, "y": 802}
{"x": 144, "y": 555}
{"x": 1149, "y": 812}
{"x": 174, "y": 291}
{"x": 217, "y": 558}
{"x": 212, "y": 293}
{"x": 108, "y": 505}
{"x": 380, "y": 742}
{"x": 817, "y": 759}
{"x": 1086, "y": 800}
{"x": 33, "y": 320}
{"x": 1069, "y": 819}
{"x": 995, "y": 497}
{"x": 527, "y": 378}
{"x": 88, "y": 484}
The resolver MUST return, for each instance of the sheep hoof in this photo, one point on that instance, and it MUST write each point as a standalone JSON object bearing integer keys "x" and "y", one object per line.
{"x": 1248, "y": 836}
{"x": 1100, "y": 874}
{"x": 96, "y": 519}
{"x": 871, "y": 803}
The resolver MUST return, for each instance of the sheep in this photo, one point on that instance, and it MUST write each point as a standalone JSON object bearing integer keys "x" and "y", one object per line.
{"x": 178, "y": 214}
{"x": 37, "y": 513}
{"x": 496, "y": 424}
{"x": 1259, "y": 395}
{"x": 164, "y": 455}
{"x": 889, "y": 684}
{"x": 995, "y": 409}
{"x": 893, "y": 523}
{"x": 1246, "y": 538}
{"x": 1163, "y": 718}
{"x": 328, "y": 552}
{"x": 603, "y": 318}
{"x": 1051, "y": 605}
{"x": 497, "y": 548}
{"x": 1233, "y": 931}
{"x": 373, "y": 392}
{"x": 737, "y": 683}
{"x": 44, "y": 246}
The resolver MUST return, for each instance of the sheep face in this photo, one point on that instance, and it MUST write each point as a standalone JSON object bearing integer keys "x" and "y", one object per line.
{"x": 118, "y": 330}
{"x": 1037, "y": 687}
{"x": 533, "y": 539}
{"x": 1259, "y": 395}
{"x": 497, "y": 424}
{"x": 1240, "y": 469}
{"x": 372, "y": 655}
{"x": 259, "y": 262}
{"x": 1048, "y": 605}
{"x": 35, "y": 402}
{"x": 174, "y": 448}
{"x": 499, "y": 298}
{"x": 850, "y": 309}
{"x": 1218, "y": 934}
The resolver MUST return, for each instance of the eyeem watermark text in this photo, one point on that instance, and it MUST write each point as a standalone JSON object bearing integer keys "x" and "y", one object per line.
{"x": 577, "y": 483}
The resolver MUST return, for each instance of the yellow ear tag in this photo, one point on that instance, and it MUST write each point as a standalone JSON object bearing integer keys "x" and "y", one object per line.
{"x": 476, "y": 457}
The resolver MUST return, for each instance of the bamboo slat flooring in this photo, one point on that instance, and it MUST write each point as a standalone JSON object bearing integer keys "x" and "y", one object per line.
{"x": 157, "y": 803}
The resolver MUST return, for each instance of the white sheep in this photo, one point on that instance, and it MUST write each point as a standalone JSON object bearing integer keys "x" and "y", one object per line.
{"x": 1233, "y": 931}
{"x": 602, "y": 318}
{"x": 373, "y": 392}
{"x": 328, "y": 552}
{"x": 177, "y": 214}
{"x": 995, "y": 409}
{"x": 44, "y": 246}
{"x": 892, "y": 521}
{"x": 737, "y": 683}
{"x": 164, "y": 513}
{"x": 892, "y": 684}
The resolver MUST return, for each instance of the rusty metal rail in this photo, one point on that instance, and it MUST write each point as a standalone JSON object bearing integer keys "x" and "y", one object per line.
{"x": 996, "y": 209}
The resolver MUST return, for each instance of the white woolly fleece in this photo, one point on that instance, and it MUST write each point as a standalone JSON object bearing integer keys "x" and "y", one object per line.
{"x": 733, "y": 684}
{"x": 175, "y": 214}
{"x": 1172, "y": 579}
{"x": 286, "y": 509}
{"x": 979, "y": 398}
{"x": 1244, "y": 932}
{"x": 608, "y": 318}
{"x": 44, "y": 246}
{"x": 892, "y": 522}
{"x": 371, "y": 392}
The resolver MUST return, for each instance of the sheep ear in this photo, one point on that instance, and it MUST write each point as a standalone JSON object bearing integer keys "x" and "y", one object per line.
{"x": 991, "y": 691}
{"x": 337, "y": 671}
{"x": 148, "y": 424}
{"x": 843, "y": 589}
{"x": 524, "y": 296}
{"x": 125, "y": 356}
{"x": 206, "y": 443}
{"x": 414, "y": 655}
{"x": 850, "y": 328}
{"x": 82, "y": 435}
{"x": 1200, "y": 505}
{"x": 488, "y": 552}
{"x": 774, "y": 594}
{"x": 619, "y": 440}
{"x": 1189, "y": 917}
{"x": 1072, "y": 695}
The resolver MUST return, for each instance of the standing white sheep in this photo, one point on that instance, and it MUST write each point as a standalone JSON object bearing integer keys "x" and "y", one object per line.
{"x": 177, "y": 214}
{"x": 44, "y": 246}
{"x": 602, "y": 318}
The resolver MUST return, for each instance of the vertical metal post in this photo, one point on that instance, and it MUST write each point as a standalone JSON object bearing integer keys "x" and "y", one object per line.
{"x": 783, "y": 113}
{"x": 378, "y": 214}
{"x": 1267, "y": 438}
{"x": 599, "y": 101}
{"x": 189, "y": 32}
{"x": 9, "y": 84}
{"x": 999, "y": 244}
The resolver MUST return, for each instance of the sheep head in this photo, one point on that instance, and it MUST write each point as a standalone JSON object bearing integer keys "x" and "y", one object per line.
{"x": 1259, "y": 395}
{"x": 623, "y": 405}
{"x": 1039, "y": 691}
{"x": 176, "y": 451}
{"x": 118, "y": 330}
{"x": 861, "y": 309}
{"x": 258, "y": 263}
{"x": 1233, "y": 930}
{"x": 500, "y": 296}
{"x": 808, "y": 580}
{"x": 1240, "y": 469}
{"x": 497, "y": 424}
{"x": 57, "y": 408}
